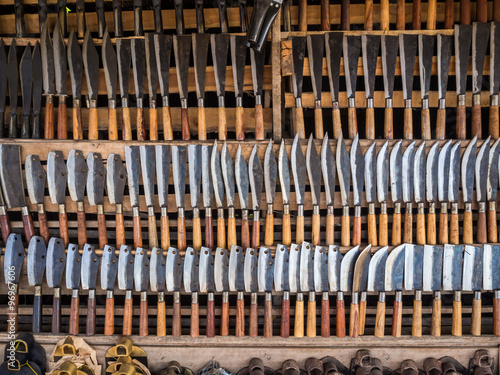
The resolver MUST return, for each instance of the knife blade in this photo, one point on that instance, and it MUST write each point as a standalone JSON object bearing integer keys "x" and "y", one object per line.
{"x": 61, "y": 73}
{"x": 284, "y": 176}
{"x": 141, "y": 280}
{"x": 494, "y": 129}
{"x": 191, "y": 285}
{"x": 432, "y": 276}
{"x": 218, "y": 184}
{"x": 490, "y": 278}
{"x": 174, "y": 279}
{"x": 90, "y": 264}
{"x": 227, "y": 167}
{"x": 408, "y": 53}
{"x": 36, "y": 261}
{"x": 182, "y": 51}
{"x": 157, "y": 282}
{"x": 431, "y": 187}
{"x": 352, "y": 49}
{"x": 152, "y": 76}
{"x": 255, "y": 177}
{"x": 35, "y": 183}
{"x": 238, "y": 57}
{"x": 313, "y": 166}
{"x": 344, "y": 175}
{"x": 49, "y": 88}
{"x": 270, "y": 174}
{"x": 320, "y": 274}
{"x": 306, "y": 279}
{"x": 329, "y": 175}
{"x": 315, "y": 50}
{"x": 179, "y": 156}
{"x": 26, "y": 79}
{"x": 220, "y": 47}
{"x": 73, "y": 273}
{"x": 77, "y": 177}
{"x": 382, "y": 192}
{"x": 207, "y": 285}
{"x": 124, "y": 60}
{"x": 298, "y": 53}
{"x": 408, "y": 182}
{"x": 242, "y": 182}
{"x": 376, "y": 283}
{"x": 463, "y": 40}
{"x": 95, "y": 193}
{"x": 138, "y": 48}
{"x": 357, "y": 171}
{"x": 109, "y": 63}
{"x": 75, "y": 72}
{"x": 389, "y": 58}
{"x": 162, "y": 181}
{"x": 109, "y": 269}
{"x": 333, "y": 48}
{"x": 419, "y": 180}
{"x": 299, "y": 179}
{"x": 467, "y": 174}
{"x": 481, "y": 175}
{"x": 257, "y": 63}
{"x": 370, "y": 175}
{"x": 250, "y": 270}
{"x": 472, "y": 281}
{"x": 425, "y": 55}
{"x": 56, "y": 178}
{"x": 91, "y": 65}
{"x": 201, "y": 42}
{"x": 116, "y": 179}
{"x": 281, "y": 284}
{"x": 452, "y": 281}
{"x": 480, "y": 36}
{"x": 132, "y": 165}
{"x": 394, "y": 282}
{"x": 148, "y": 167}
{"x": 444, "y": 46}
{"x": 454, "y": 182}
{"x": 396, "y": 175}
{"x": 359, "y": 285}
{"x": 56, "y": 259}
{"x": 208, "y": 192}
{"x": 236, "y": 283}
{"x": 195, "y": 168}
{"x": 125, "y": 282}
{"x": 265, "y": 280}
{"x": 413, "y": 281}
{"x": 221, "y": 281}
{"x": 13, "y": 74}
{"x": 370, "y": 45}
{"x": 334, "y": 262}
{"x": 443, "y": 191}
{"x": 163, "y": 47}
{"x": 295, "y": 287}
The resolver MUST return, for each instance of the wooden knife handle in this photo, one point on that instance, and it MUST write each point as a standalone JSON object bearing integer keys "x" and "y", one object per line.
{"x": 231, "y": 232}
{"x": 420, "y": 229}
{"x": 168, "y": 133}
{"x": 74, "y": 318}
{"x": 109, "y": 316}
{"x": 299, "y": 229}
{"x": 140, "y": 124}
{"x": 256, "y": 231}
{"x": 165, "y": 230}
{"x": 388, "y": 123}
{"x": 431, "y": 14}
{"x": 77, "y": 123}
{"x": 245, "y": 233}
{"x": 285, "y": 317}
{"x": 356, "y": 230}
{"x": 221, "y": 232}
{"x": 496, "y": 314}
{"x": 222, "y": 124}
{"x": 63, "y": 228}
{"x": 337, "y": 123}
{"x": 461, "y": 116}
{"x": 37, "y": 310}
{"x": 372, "y": 230}
{"x": 476, "y": 121}
{"x": 384, "y": 15}
{"x": 112, "y": 124}
{"x": 127, "y": 124}
{"x": 137, "y": 229}
{"x": 396, "y": 229}
{"x": 197, "y": 233}
{"x": 202, "y": 124}
{"x": 62, "y": 127}
{"x": 481, "y": 11}
{"x": 408, "y": 123}
{"x": 240, "y": 123}
{"x": 120, "y": 230}
{"x": 436, "y": 315}
{"x": 456, "y": 325}
{"x": 240, "y": 317}
{"x": 127, "y": 316}
{"x": 383, "y": 235}
{"x": 494, "y": 121}
{"x": 318, "y": 123}
{"x": 352, "y": 122}
{"x": 416, "y": 328}
{"x": 298, "y": 330}
{"x": 362, "y": 316}
{"x": 5, "y": 227}
{"x": 161, "y": 327}
{"x": 82, "y": 228}
{"x": 482, "y": 233}
{"x": 143, "y": 315}
{"x": 102, "y": 232}
{"x": 302, "y": 15}
{"x": 152, "y": 229}
{"x": 224, "y": 322}
{"x": 153, "y": 123}
{"x": 209, "y": 232}
{"x": 417, "y": 15}
{"x": 492, "y": 224}
{"x": 340, "y": 318}
{"x": 287, "y": 230}
{"x": 475, "y": 325}
{"x": 380, "y": 319}
{"x": 29, "y": 228}
{"x": 454, "y": 229}
{"x": 354, "y": 320}
{"x": 176, "y": 315}
{"x": 369, "y": 15}
{"x": 426, "y": 123}
{"x": 44, "y": 226}
{"x": 449, "y": 14}
{"x": 397, "y": 317}
{"x": 441, "y": 124}
{"x": 325, "y": 315}
{"x": 325, "y": 15}
{"x": 268, "y": 317}
{"x": 253, "y": 330}
{"x": 316, "y": 229}
{"x": 408, "y": 230}
{"x": 211, "y": 317}
{"x": 431, "y": 228}
{"x": 370, "y": 117}
{"x": 311, "y": 317}
{"x": 181, "y": 232}
{"x": 56, "y": 312}
{"x": 468, "y": 228}
{"x": 91, "y": 312}
{"x": 259, "y": 123}
{"x": 330, "y": 226}
{"x": 93, "y": 124}
{"x": 443, "y": 228}
{"x": 299, "y": 120}
{"x": 346, "y": 227}
{"x": 49, "y": 118}
{"x": 400, "y": 17}
{"x": 345, "y": 18}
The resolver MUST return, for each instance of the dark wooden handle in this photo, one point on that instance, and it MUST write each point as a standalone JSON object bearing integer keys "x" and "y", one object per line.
{"x": 202, "y": 124}
{"x": 482, "y": 232}
{"x": 224, "y": 321}
{"x": 253, "y": 330}
{"x": 153, "y": 124}
{"x": 93, "y": 124}
{"x": 356, "y": 231}
{"x": 285, "y": 318}
{"x": 408, "y": 229}
{"x": 416, "y": 23}
{"x": 340, "y": 318}
{"x": 431, "y": 229}
{"x": 369, "y": 15}
{"x": 29, "y": 228}
{"x": 245, "y": 234}
{"x": 318, "y": 123}
{"x": 120, "y": 230}
{"x": 299, "y": 121}
{"x": 5, "y": 227}
{"x": 44, "y": 227}
{"x": 380, "y": 320}
{"x": 443, "y": 228}
{"x": 195, "y": 320}
{"x": 468, "y": 228}
{"x": 383, "y": 235}
{"x": 494, "y": 122}
{"x": 63, "y": 228}
{"x": 400, "y": 17}
{"x": 112, "y": 124}
{"x": 492, "y": 226}
{"x": 325, "y": 15}
{"x": 221, "y": 233}
{"x": 461, "y": 121}
{"x": 345, "y": 18}
{"x": 256, "y": 234}
{"x": 449, "y": 14}
{"x": 109, "y": 317}
{"x": 127, "y": 124}
{"x": 431, "y": 14}
{"x": 388, "y": 124}
{"x": 481, "y": 11}
{"x": 298, "y": 330}
{"x": 436, "y": 317}
{"x": 165, "y": 232}
{"x": 345, "y": 238}
{"x": 302, "y": 15}
{"x": 496, "y": 316}
{"x": 370, "y": 120}
{"x": 240, "y": 318}
{"x": 475, "y": 325}
{"x": 408, "y": 123}
{"x": 311, "y": 319}
{"x": 91, "y": 311}
{"x": 56, "y": 315}
{"x": 82, "y": 229}
{"x": 231, "y": 232}
{"x": 372, "y": 229}
{"x": 259, "y": 123}
{"x": 77, "y": 123}
{"x": 49, "y": 118}
{"x": 181, "y": 233}
{"x": 325, "y": 317}
{"x": 268, "y": 319}
{"x": 456, "y": 320}
{"x": 143, "y": 317}
{"x": 362, "y": 317}
{"x": 136, "y": 223}
{"x": 384, "y": 15}
{"x": 62, "y": 127}
{"x": 74, "y": 317}
{"x": 421, "y": 229}
{"x": 161, "y": 324}
{"x": 103, "y": 234}
{"x": 397, "y": 317}
{"x": 240, "y": 123}
{"x": 441, "y": 124}
{"x": 416, "y": 327}
{"x": 316, "y": 229}
{"x": 396, "y": 229}
{"x": 354, "y": 320}
{"x": 209, "y": 232}
{"x": 211, "y": 318}
{"x": 127, "y": 316}
{"x": 37, "y": 312}
{"x": 352, "y": 122}
{"x": 476, "y": 121}
{"x": 454, "y": 230}
{"x": 141, "y": 125}
{"x": 222, "y": 124}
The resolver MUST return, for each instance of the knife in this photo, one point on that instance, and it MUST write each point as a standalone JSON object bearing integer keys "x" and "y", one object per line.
{"x": 26, "y": 78}
{"x": 352, "y": 49}
{"x": 443, "y": 191}
{"x": 281, "y": 284}
{"x": 382, "y": 192}
{"x": 306, "y": 279}
{"x": 408, "y": 53}
{"x": 141, "y": 280}
{"x": 35, "y": 183}
{"x": 346, "y": 286}
{"x": 191, "y": 285}
{"x": 295, "y": 287}
{"x": 481, "y": 174}
{"x": 359, "y": 284}
{"x": 334, "y": 261}
{"x": 494, "y": 129}
{"x": 110, "y": 68}
{"x": 265, "y": 281}
{"x": 182, "y": 51}
{"x": 125, "y": 282}
{"x": 163, "y": 46}
{"x": 444, "y": 46}
{"x": 425, "y": 55}
{"x": 299, "y": 178}
{"x": 75, "y": 72}
{"x": 56, "y": 258}
{"x": 480, "y": 35}
{"x": 454, "y": 182}
{"x": 109, "y": 269}
{"x": 376, "y": 283}
{"x": 124, "y": 59}
{"x": 13, "y": 263}
{"x": 394, "y": 282}
{"x": 207, "y": 285}
{"x": 472, "y": 281}
{"x": 152, "y": 76}
{"x": 179, "y": 174}
{"x": 370, "y": 45}
{"x": 91, "y": 65}
{"x": 370, "y": 183}
{"x": 157, "y": 282}
{"x": 419, "y": 180}
{"x": 395, "y": 172}
{"x": 116, "y": 179}
{"x": 73, "y": 273}
{"x": 284, "y": 175}
{"x": 162, "y": 181}
{"x": 61, "y": 73}
{"x": 138, "y": 48}
{"x": 174, "y": 278}
{"x": 138, "y": 29}
{"x": 413, "y": 281}
{"x": 256, "y": 175}
{"x": 227, "y": 167}
{"x": 251, "y": 286}
{"x": 431, "y": 182}
{"x": 432, "y": 276}
{"x": 235, "y": 271}
{"x": 36, "y": 261}
{"x": 56, "y": 178}
{"x": 201, "y": 41}
{"x": 491, "y": 191}
{"x": 221, "y": 281}
{"x": 320, "y": 274}
{"x": 298, "y": 53}
{"x": 490, "y": 280}
{"x": 242, "y": 182}
{"x": 90, "y": 264}
{"x": 132, "y": 165}
{"x": 315, "y": 49}
{"x": 333, "y": 47}
{"x": 329, "y": 175}
{"x": 389, "y": 59}
{"x": 257, "y": 63}
{"x": 77, "y": 177}
{"x": 357, "y": 172}
{"x": 467, "y": 174}
{"x": 407, "y": 184}
{"x": 238, "y": 57}
{"x": 270, "y": 174}
{"x": 218, "y": 184}
{"x": 463, "y": 40}
{"x": 344, "y": 175}
{"x": 452, "y": 281}
{"x": 208, "y": 192}
{"x": 13, "y": 74}
{"x": 49, "y": 88}
{"x": 220, "y": 46}
{"x": 95, "y": 193}
{"x": 195, "y": 168}
{"x": 148, "y": 166}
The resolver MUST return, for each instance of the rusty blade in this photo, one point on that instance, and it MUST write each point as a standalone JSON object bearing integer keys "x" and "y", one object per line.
{"x": 47, "y": 51}
{"x": 352, "y": 49}
{"x": 75, "y": 66}
{"x": 408, "y": 53}
{"x": 60, "y": 65}
{"x": 333, "y": 47}
{"x": 110, "y": 65}
{"x": 10, "y": 175}
{"x": 91, "y": 64}
{"x": 480, "y": 37}
{"x": 463, "y": 40}
{"x": 227, "y": 167}
{"x": 163, "y": 46}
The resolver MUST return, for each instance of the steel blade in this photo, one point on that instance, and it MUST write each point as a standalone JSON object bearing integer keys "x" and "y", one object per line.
{"x": 376, "y": 270}
{"x": 463, "y": 40}
{"x": 110, "y": 65}
{"x": 454, "y": 175}
{"x": 298, "y": 54}
{"x": 352, "y": 49}
{"x": 157, "y": 270}
{"x": 194, "y": 157}
{"x": 125, "y": 268}
{"x": 343, "y": 170}
{"x": 132, "y": 164}
{"x": 257, "y": 64}
{"x": 91, "y": 65}
{"x": 481, "y": 170}
{"x": 383, "y": 173}
{"x": 250, "y": 271}
{"x": 124, "y": 59}
{"x": 56, "y": 177}
{"x": 179, "y": 173}
{"x": 116, "y": 179}
{"x": 60, "y": 66}
{"x": 328, "y": 171}
{"x": 433, "y": 268}
{"x": 221, "y": 270}
{"x": 452, "y": 267}
{"x": 238, "y": 57}
{"x": 256, "y": 177}
{"x": 220, "y": 49}
{"x": 206, "y": 175}
{"x": 357, "y": 171}
{"x": 218, "y": 184}
{"x": 36, "y": 260}
{"x": 56, "y": 262}
{"x": 241, "y": 176}
{"x": 281, "y": 264}
{"x": 109, "y": 268}
{"x": 90, "y": 264}
{"x": 174, "y": 268}
{"x": 333, "y": 47}
{"x": 13, "y": 259}
{"x": 95, "y": 178}
{"x": 307, "y": 267}
{"x": 442, "y": 177}
{"x": 425, "y": 55}
{"x": 396, "y": 171}
{"x": 394, "y": 267}
{"x": 389, "y": 58}
{"x": 320, "y": 272}
{"x": 227, "y": 166}
{"x": 491, "y": 265}
{"x": 26, "y": 77}
{"x": 35, "y": 179}
{"x": 408, "y": 53}
{"x": 419, "y": 173}
{"x": 492, "y": 179}
{"x": 73, "y": 267}
{"x": 480, "y": 37}
{"x": 494, "y": 58}
{"x": 3, "y": 73}
{"x": 431, "y": 173}
{"x": 270, "y": 173}
{"x": 36, "y": 74}
{"x": 265, "y": 270}
{"x": 370, "y": 45}
{"x": 162, "y": 153}
{"x": 10, "y": 175}
{"x": 408, "y": 163}
{"x": 294, "y": 268}
{"x": 75, "y": 62}
{"x": 347, "y": 269}
{"x": 473, "y": 268}
{"x": 284, "y": 173}
{"x": 138, "y": 48}
{"x": 206, "y": 271}
{"x": 371, "y": 173}
{"x": 47, "y": 52}
{"x": 298, "y": 170}
{"x": 163, "y": 47}
{"x": 414, "y": 267}
{"x": 444, "y": 47}
{"x": 360, "y": 275}
{"x": 77, "y": 175}
{"x": 148, "y": 154}
{"x": 236, "y": 272}
{"x": 315, "y": 51}
{"x": 141, "y": 270}
{"x": 334, "y": 262}
{"x": 13, "y": 74}
{"x": 200, "y": 54}
{"x": 313, "y": 166}
{"x": 152, "y": 68}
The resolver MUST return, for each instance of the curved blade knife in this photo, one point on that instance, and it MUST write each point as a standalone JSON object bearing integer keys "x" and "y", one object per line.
{"x": 195, "y": 170}
{"x": 36, "y": 262}
{"x": 256, "y": 176}
{"x": 299, "y": 178}
{"x": 329, "y": 176}
{"x": 91, "y": 65}
{"x": 95, "y": 193}
{"x": 313, "y": 166}
{"x": 148, "y": 167}
{"x": 270, "y": 174}
{"x": 73, "y": 273}
{"x": 408, "y": 182}
{"x": 116, "y": 179}
{"x": 443, "y": 191}
{"x": 467, "y": 174}
{"x": 179, "y": 159}
{"x": 218, "y": 185}
{"x": 162, "y": 153}
{"x": 284, "y": 176}
{"x": 36, "y": 177}
{"x": 56, "y": 178}
{"x": 376, "y": 283}
{"x": 344, "y": 174}
{"x": 383, "y": 192}
{"x": 242, "y": 182}
{"x": 394, "y": 282}
{"x": 132, "y": 164}
{"x": 396, "y": 171}
{"x": 431, "y": 182}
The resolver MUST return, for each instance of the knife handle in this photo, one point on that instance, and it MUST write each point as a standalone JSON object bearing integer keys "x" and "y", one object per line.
{"x": 224, "y": 321}
{"x": 259, "y": 123}
{"x": 420, "y": 225}
{"x": 37, "y": 310}
{"x": 416, "y": 328}
{"x": 337, "y": 124}
{"x": 346, "y": 227}
{"x": 316, "y": 226}
{"x": 396, "y": 226}
{"x": 476, "y": 118}
{"x": 431, "y": 225}
{"x": 112, "y": 122}
{"x": 209, "y": 228}
{"x": 408, "y": 230}
{"x": 340, "y": 315}
{"x": 475, "y": 325}
{"x": 372, "y": 230}
{"x": 330, "y": 226}
{"x": 443, "y": 224}
{"x": 256, "y": 230}
{"x": 298, "y": 330}
{"x": 449, "y": 14}
{"x": 368, "y": 15}
{"x": 136, "y": 226}
{"x": 49, "y": 117}
{"x": 436, "y": 315}
{"x": 240, "y": 316}
{"x": 397, "y": 315}
{"x": 388, "y": 124}
{"x": 461, "y": 115}
{"x": 400, "y": 17}
{"x": 80, "y": 19}
{"x": 56, "y": 312}
{"x": 384, "y": 15}
{"x": 176, "y": 315}
{"x": 222, "y": 123}
{"x": 383, "y": 236}
{"x": 127, "y": 313}
{"x": 93, "y": 124}
{"x": 109, "y": 314}
{"x": 311, "y": 315}
{"x": 63, "y": 226}
{"x": 25, "y": 127}
{"x": 161, "y": 328}
{"x": 179, "y": 18}
{"x": 165, "y": 231}
{"x": 325, "y": 315}
{"x": 5, "y": 224}
{"x": 494, "y": 130}
{"x": 210, "y": 315}
{"x": 153, "y": 123}
{"x": 127, "y": 124}
{"x": 492, "y": 223}
{"x": 285, "y": 315}
{"x": 196, "y": 230}
{"x": 426, "y": 123}
{"x": 496, "y": 313}
{"x": 202, "y": 124}
{"x": 195, "y": 316}
{"x": 221, "y": 229}
{"x": 29, "y": 229}
{"x": 240, "y": 124}
{"x": 13, "y": 126}
{"x": 481, "y": 11}
{"x": 362, "y": 313}
{"x": 91, "y": 312}
{"x": 101, "y": 229}
{"x": 181, "y": 230}
{"x": 354, "y": 316}
{"x": 74, "y": 317}
{"x": 269, "y": 232}
{"x": 325, "y": 15}
{"x": 454, "y": 228}
{"x": 318, "y": 122}
{"x": 138, "y": 29}
{"x": 482, "y": 234}
{"x": 456, "y": 325}
{"x": 36, "y": 126}
{"x": 77, "y": 122}
{"x": 408, "y": 123}
{"x": 231, "y": 228}
{"x": 245, "y": 230}
{"x": 370, "y": 120}
{"x": 441, "y": 124}
{"x": 82, "y": 225}
{"x": 467, "y": 225}
{"x": 356, "y": 226}
{"x": 143, "y": 315}
{"x": 120, "y": 230}
{"x": 417, "y": 15}
{"x": 299, "y": 121}
{"x": 141, "y": 125}
{"x": 43, "y": 224}
{"x": 380, "y": 316}
{"x": 299, "y": 226}
{"x": 302, "y": 15}
{"x": 431, "y": 14}
{"x": 62, "y": 127}
{"x": 345, "y": 18}
{"x": 168, "y": 133}
{"x": 352, "y": 122}
{"x": 253, "y": 329}
{"x": 152, "y": 229}
{"x": 42, "y": 13}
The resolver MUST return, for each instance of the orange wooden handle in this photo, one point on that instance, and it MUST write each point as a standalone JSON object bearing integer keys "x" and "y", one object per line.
{"x": 316, "y": 230}
{"x": 352, "y": 122}
{"x": 153, "y": 124}
{"x": 441, "y": 123}
{"x": 454, "y": 230}
{"x": 325, "y": 317}
{"x": 340, "y": 318}
{"x": 397, "y": 317}
{"x": 492, "y": 226}
{"x": 222, "y": 123}
{"x": 354, "y": 320}
{"x": 311, "y": 319}
{"x": 468, "y": 229}
{"x": 362, "y": 317}
{"x": 93, "y": 124}
{"x": 29, "y": 228}
{"x": 141, "y": 125}
{"x": 369, "y": 15}
{"x": 380, "y": 320}
{"x": 240, "y": 124}
{"x": 112, "y": 124}
{"x": 456, "y": 320}
{"x": 103, "y": 235}
{"x": 143, "y": 318}
{"x": 74, "y": 317}
{"x": 408, "y": 123}
{"x": 436, "y": 317}
{"x": 44, "y": 227}
{"x": 396, "y": 229}
{"x": 346, "y": 230}
{"x": 372, "y": 230}
{"x": 416, "y": 328}
{"x": 168, "y": 132}
{"x": 127, "y": 124}
{"x": 431, "y": 229}
{"x": 318, "y": 123}
{"x": 443, "y": 228}
{"x": 120, "y": 230}
{"x": 431, "y": 15}
{"x": 287, "y": 230}
{"x": 299, "y": 319}
{"x": 388, "y": 124}
{"x": 426, "y": 123}
{"x": 383, "y": 235}
{"x": 253, "y": 320}
{"x": 461, "y": 115}
{"x": 165, "y": 233}
{"x": 240, "y": 318}
{"x": 202, "y": 124}
{"x": 181, "y": 233}
{"x": 337, "y": 124}
{"x": 481, "y": 11}
{"x": 6, "y": 228}
{"x": 77, "y": 123}
{"x": 302, "y": 15}
{"x": 421, "y": 229}
{"x": 221, "y": 233}
{"x": 330, "y": 229}
{"x": 137, "y": 229}
{"x": 245, "y": 234}
{"x": 211, "y": 318}
{"x": 494, "y": 122}
{"x": 152, "y": 231}
{"x": 231, "y": 232}
{"x": 176, "y": 318}
{"x": 475, "y": 325}
{"x": 299, "y": 121}
{"x": 482, "y": 230}
{"x": 449, "y": 14}
{"x": 299, "y": 229}
{"x": 496, "y": 316}
{"x": 476, "y": 121}
{"x": 285, "y": 318}
{"x": 268, "y": 319}
{"x": 370, "y": 112}
{"x": 259, "y": 123}
{"x": 127, "y": 317}
{"x": 224, "y": 321}
{"x": 161, "y": 323}
{"x": 109, "y": 317}
{"x": 400, "y": 18}
{"x": 49, "y": 118}
{"x": 408, "y": 229}
{"x": 325, "y": 15}
{"x": 62, "y": 127}
{"x": 197, "y": 233}
{"x": 256, "y": 234}
{"x": 416, "y": 15}
{"x": 356, "y": 231}
{"x": 384, "y": 15}
{"x": 63, "y": 228}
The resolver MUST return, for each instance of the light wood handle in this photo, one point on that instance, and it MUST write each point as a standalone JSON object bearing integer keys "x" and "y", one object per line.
{"x": 240, "y": 318}
{"x": 456, "y": 320}
{"x": 176, "y": 318}
{"x": 340, "y": 318}
{"x": 397, "y": 317}
{"x": 143, "y": 318}
{"x": 196, "y": 233}
{"x": 420, "y": 229}
{"x": 165, "y": 233}
{"x": 299, "y": 319}
{"x": 356, "y": 231}
{"x": 74, "y": 318}
{"x": 454, "y": 230}
{"x": 461, "y": 115}
{"x": 431, "y": 229}
{"x": 416, "y": 328}
{"x": 369, "y": 15}
{"x": 400, "y": 17}
{"x": 102, "y": 232}
{"x": 396, "y": 229}
{"x": 153, "y": 124}
{"x": 384, "y": 15}
{"x": 285, "y": 318}
{"x": 408, "y": 229}
{"x": 299, "y": 122}
{"x": 269, "y": 232}
{"x": 211, "y": 318}
{"x": 443, "y": 228}
{"x": 354, "y": 320}
{"x": 137, "y": 229}
{"x": 468, "y": 229}
{"x": 224, "y": 321}
{"x": 168, "y": 132}
{"x": 77, "y": 123}
{"x": 330, "y": 230}
{"x": 112, "y": 124}
{"x": 253, "y": 320}
{"x": 63, "y": 228}
{"x": 120, "y": 230}
{"x": 93, "y": 124}
{"x": 109, "y": 317}
{"x": 337, "y": 124}
{"x": 436, "y": 317}
{"x": 408, "y": 123}
{"x": 352, "y": 122}
{"x": 222, "y": 124}
{"x": 141, "y": 125}
{"x": 302, "y": 15}
{"x": 388, "y": 124}
{"x": 316, "y": 230}
{"x": 181, "y": 233}
{"x": 441, "y": 124}
{"x": 127, "y": 316}
{"x": 431, "y": 14}
{"x": 494, "y": 122}
{"x": 475, "y": 325}
{"x": 259, "y": 123}
{"x": 49, "y": 118}
{"x": 496, "y": 316}
{"x": 161, "y": 324}
{"x": 311, "y": 319}
{"x": 362, "y": 317}
{"x": 287, "y": 230}
{"x": 383, "y": 236}
{"x": 370, "y": 112}
{"x": 299, "y": 229}
{"x": 482, "y": 230}
{"x": 152, "y": 231}
{"x": 346, "y": 230}
{"x": 380, "y": 320}
{"x": 221, "y": 233}
{"x": 268, "y": 319}
{"x": 127, "y": 124}
{"x": 231, "y": 232}
{"x": 426, "y": 123}
{"x": 325, "y": 317}
{"x": 62, "y": 127}
{"x": 318, "y": 123}
{"x": 476, "y": 121}
{"x": 240, "y": 124}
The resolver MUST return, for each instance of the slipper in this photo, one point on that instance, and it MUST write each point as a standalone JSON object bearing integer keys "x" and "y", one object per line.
{"x": 332, "y": 366}
{"x": 432, "y": 366}
{"x": 314, "y": 366}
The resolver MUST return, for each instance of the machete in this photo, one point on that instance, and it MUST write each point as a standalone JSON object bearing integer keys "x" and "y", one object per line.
{"x": 329, "y": 175}
{"x": 36, "y": 262}
{"x": 61, "y": 73}
{"x": 141, "y": 281}
{"x": 352, "y": 49}
{"x": 333, "y": 48}
{"x": 116, "y": 179}
{"x": 357, "y": 171}
{"x": 242, "y": 183}
{"x": 238, "y": 57}
{"x": 208, "y": 192}
{"x": 173, "y": 275}
{"x": 26, "y": 79}
{"x": 227, "y": 167}
{"x": 370, "y": 45}
{"x": 132, "y": 164}
{"x": 298, "y": 53}
{"x": 491, "y": 192}
{"x": 453, "y": 188}
{"x": 463, "y": 40}
{"x": 218, "y": 184}
{"x": 195, "y": 168}
{"x": 346, "y": 285}
{"x": 56, "y": 179}
{"x": 431, "y": 187}
{"x": 452, "y": 281}
{"x": 281, "y": 284}
{"x": 419, "y": 180}
{"x": 257, "y": 63}
{"x": 383, "y": 192}
{"x": 443, "y": 191}
{"x": 408, "y": 182}
{"x": 284, "y": 175}
{"x": 389, "y": 59}
{"x": 425, "y": 55}
{"x": 467, "y": 177}
{"x": 256, "y": 175}
{"x": 148, "y": 166}
{"x": 481, "y": 176}
{"x": 480, "y": 36}
{"x": 91, "y": 65}
{"x": 73, "y": 273}
{"x": 95, "y": 193}
{"x": 315, "y": 50}
{"x": 299, "y": 179}
{"x": 396, "y": 176}
{"x": 376, "y": 283}
{"x": 124, "y": 59}
{"x": 182, "y": 51}
{"x": 152, "y": 76}
{"x": 344, "y": 175}
{"x": 370, "y": 188}
{"x": 13, "y": 77}
{"x": 179, "y": 159}
{"x": 49, "y": 87}
{"x": 201, "y": 41}
{"x": 138, "y": 48}
{"x": 162, "y": 180}
{"x": 359, "y": 285}
{"x": 109, "y": 269}
{"x": 163, "y": 46}
{"x": 36, "y": 74}
{"x": 408, "y": 53}
{"x": 90, "y": 264}
{"x": 220, "y": 46}
{"x": 110, "y": 71}
{"x": 77, "y": 179}
{"x": 36, "y": 179}
{"x": 75, "y": 72}
{"x": 270, "y": 174}
{"x": 56, "y": 258}
{"x": 494, "y": 126}
{"x": 444, "y": 47}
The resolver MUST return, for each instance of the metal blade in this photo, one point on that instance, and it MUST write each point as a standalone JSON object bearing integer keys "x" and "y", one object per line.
{"x": 333, "y": 47}
{"x": 306, "y": 268}
{"x": 352, "y": 50}
{"x": 60, "y": 66}
{"x": 124, "y": 58}
{"x": 10, "y": 176}
{"x": 257, "y": 63}
{"x": 370, "y": 45}
{"x": 221, "y": 270}
{"x": 174, "y": 269}
{"x": 125, "y": 268}
{"x": 357, "y": 171}
{"x": 206, "y": 270}
{"x": 3, "y": 74}
{"x": 194, "y": 152}
{"x": 109, "y": 268}
{"x": 162, "y": 172}
{"x": 473, "y": 268}
{"x": 157, "y": 270}
{"x": 35, "y": 178}
{"x": 265, "y": 270}
{"x": 270, "y": 173}
{"x": 47, "y": 52}
{"x": 179, "y": 173}
{"x": 454, "y": 175}
{"x": 138, "y": 48}
{"x": 132, "y": 163}
{"x": 281, "y": 264}
{"x": 227, "y": 166}
{"x": 431, "y": 173}
{"x": 148, "y": 173}
{"x": 256, "y": 176}
{"x": 414, "y": 267}
{"x": 141, "y": 270}
{"x": 250, "y": 271}
{"x": 480, "y": 37}
{"x": 77, "y": 175}
{"x": 110, "y": 65}
{"x": 36, "y": 260}
{"x": 95, "y": 178}
{"x": 433, "y": 268}
{"x": 408, "y": 163}
{"x": 26, "y": 76}
{"x": 152, "y": 69}
{"x": 463, "y": 40}
{"x": 218, "y": 184}
{"x": 481, "y": 170}
{"x": 56, "y": 177}
{"x": 75, "y": 62}
{"x": 163, "y": 46}
{"x": 220, "y": 48}
{"x": 389, "y": 58}
{"x": 343, "y": 170}
{"x": 116, "y": 179}
{"x": 334, "y": 262}
{"x": 347, "y": 269}
{"x": 236, "y": 272}
{"x": 56, "y": 262}
{"x": 396, "y": 171}
{"x": 394, "y": 269}
{"x": 360, "y": 275}
{"x": 408, "y": 53}
{"x": 320, "y": 272}
{"x": 419, "y": 173}
{"x": 73, "y": 267}
{"x": 452, "y": 267}
{"x": 298, "y": 54}
{"x": 494, "y": 58}
{"x": 294, "y": 268}
{"x": 200, "y": 54}
{"x": 425, "y": 55}
{"x": 443, "y": 166}
{"x": 313, "y": 165}
{"x": 298, "y": 170}
{"x": 284, "y": 173}
{"x": 36, "y": 74}
{"x": 491, "y": 265}
{"x": 182, "y": 52}
{"x": 328, "y": 171}
{"x": 444, "y": 47}
{"x": 315, "y": 51}
{"x": 90, "y": 264}
{"x": 13, "y": 74}
{"x": 91, "y": 65}
{"x": 13, "y": 259}
{"x": 383, "y": 173}
{"x": 241, "y": 175}
{"x": 492, "y": 178}
{"x": 371, "y": 173}
{"x": 206, "y": 175}
{"x": 238, "y": 57}
{"x": 376, "y": 270}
